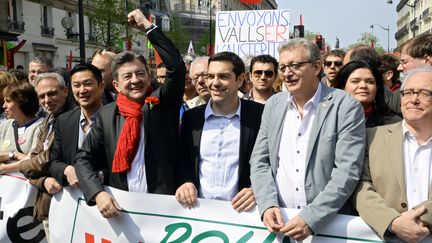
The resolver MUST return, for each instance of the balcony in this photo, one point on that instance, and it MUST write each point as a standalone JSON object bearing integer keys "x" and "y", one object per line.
{"x": 47, "y": 31}
{"x": 401, "y": 33}
{"x": 16, "y": 26}
{"x": 413, "y": 24}
{"x": 426, "y": 14}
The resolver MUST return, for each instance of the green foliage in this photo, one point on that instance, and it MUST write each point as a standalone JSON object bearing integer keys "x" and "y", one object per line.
{"x": 201, "y": 45}
{"x": 365, "y": 39}
{"x": 109, "y": 20}
{"x": 178, "y": 34}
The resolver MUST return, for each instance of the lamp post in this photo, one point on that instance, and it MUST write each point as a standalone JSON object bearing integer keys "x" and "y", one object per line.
{"x": 81, "y": 31}
{"x": 210, "y": 28}
{"x": 388, "y": 34}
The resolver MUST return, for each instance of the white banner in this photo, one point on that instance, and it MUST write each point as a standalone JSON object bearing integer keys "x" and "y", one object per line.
{"x": 251, "y": 32}
{"x": 159, "y": 218}
{"x": 17, "y": 198}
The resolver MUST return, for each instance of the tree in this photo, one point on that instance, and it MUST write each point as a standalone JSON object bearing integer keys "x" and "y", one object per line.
{"x": 178, "y": 34}
{"x": 365, "y": 39}
{"x": 109, "y": 20}
{"x": 201, "y": 46}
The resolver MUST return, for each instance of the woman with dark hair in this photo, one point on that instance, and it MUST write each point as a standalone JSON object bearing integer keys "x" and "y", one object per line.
{"x": 364, "y": 82}
{"x": 18, "y": 134}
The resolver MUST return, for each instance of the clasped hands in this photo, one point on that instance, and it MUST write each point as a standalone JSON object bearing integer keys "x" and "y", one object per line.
{"x": 295, "y": 228}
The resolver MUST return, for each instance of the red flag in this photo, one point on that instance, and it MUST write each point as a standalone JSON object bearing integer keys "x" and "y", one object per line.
{"x": 301, "y": 20}
{"x": 372, "y": 45}
{"x": 70, "y": 60}
{"x": 251, "y": 1}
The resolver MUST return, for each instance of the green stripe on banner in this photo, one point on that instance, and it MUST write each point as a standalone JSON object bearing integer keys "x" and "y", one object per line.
{"x": 216, "y": 222}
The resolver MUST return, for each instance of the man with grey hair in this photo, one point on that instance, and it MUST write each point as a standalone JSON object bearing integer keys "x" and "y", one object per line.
{"x": 52, "y": 93}
{"x": 38, "y": 65}
{"x": 198, "y": 74}
{"x": 135, "y": 139}
{"x": 310, "y": 148}
{"x": 394, "y": 195}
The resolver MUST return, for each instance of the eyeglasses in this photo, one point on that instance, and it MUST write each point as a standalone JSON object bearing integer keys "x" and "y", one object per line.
{"x": 196, "y": 77}
{"x": 422, "y": 94}
{"x": 267, "y": 73}
{"x": 336, "y": 63}
{"x": 295, "y": 66}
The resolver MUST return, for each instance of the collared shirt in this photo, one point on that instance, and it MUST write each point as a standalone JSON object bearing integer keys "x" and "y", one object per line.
{"x": 290, "y": 177}
{"x": 82, "y": 123}
{"x": 417, "y": 165}
{"x": 219, "y": 150}
{"x": 249, "y": 95}
{"x": 136, "y": 176}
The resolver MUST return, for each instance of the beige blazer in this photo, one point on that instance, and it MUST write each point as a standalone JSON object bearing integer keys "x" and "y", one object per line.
{"x": 381, "y": 194}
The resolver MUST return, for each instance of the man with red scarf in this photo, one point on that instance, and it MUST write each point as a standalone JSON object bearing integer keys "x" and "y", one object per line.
{"x": 134, "y": 141}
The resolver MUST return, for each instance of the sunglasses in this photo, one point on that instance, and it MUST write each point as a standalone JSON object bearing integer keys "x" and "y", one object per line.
{"x": 267, "y": 73}
{"x": 336, "y": 63}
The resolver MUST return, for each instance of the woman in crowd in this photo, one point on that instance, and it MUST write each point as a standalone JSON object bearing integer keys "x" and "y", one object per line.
{"x": 6, "y": 79}
{"x": 364, "y": 82}
{"x": 18, "y": 134}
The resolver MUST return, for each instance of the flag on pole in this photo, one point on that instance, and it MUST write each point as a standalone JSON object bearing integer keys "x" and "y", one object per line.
{"x": 191, "y": 49}
{"x": 372, "y": 44}
{"x": 70, "y": 60}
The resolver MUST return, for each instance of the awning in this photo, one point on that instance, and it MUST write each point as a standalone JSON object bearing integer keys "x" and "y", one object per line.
{"x": 8, "y": 36}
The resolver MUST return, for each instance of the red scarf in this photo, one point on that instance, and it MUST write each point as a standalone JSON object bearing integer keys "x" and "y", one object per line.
{"x": 369, "y": 110}
{"x": 127, "y": 143}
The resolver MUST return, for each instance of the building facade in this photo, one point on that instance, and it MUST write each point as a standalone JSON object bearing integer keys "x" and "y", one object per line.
{"x": 39, "y": 23}
{"x": 414, "y": 18}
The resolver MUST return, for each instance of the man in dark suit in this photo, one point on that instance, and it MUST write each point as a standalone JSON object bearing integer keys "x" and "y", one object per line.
{"x": 102, "y": 60}
{"x": 135, "y": 139}
{"x": 73, "y": 126}
{"x": 217, "y": 139}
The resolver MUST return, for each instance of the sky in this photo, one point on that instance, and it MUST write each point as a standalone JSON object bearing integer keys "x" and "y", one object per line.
{"x": 344, "y": 19}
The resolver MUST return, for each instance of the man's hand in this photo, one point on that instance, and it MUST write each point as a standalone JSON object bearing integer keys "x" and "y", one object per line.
{"x": 107, "y": 205}
{"x": 408, "y": 226}
{"x": 244, "y": 200}
{"x": 137, "y": 19}
{"x": 296, "y": 228}
{"x": 71, "y": 177}
{"x": 186, "y": 194}
{"x": 272, "y": 219}
{"x": 51, "y": 185}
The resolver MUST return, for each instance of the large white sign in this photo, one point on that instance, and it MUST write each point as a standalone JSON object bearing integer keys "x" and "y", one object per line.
{"x": 17, "y": 198}
{"x": 251, "y": 32}
{"x": 159, "y": 218}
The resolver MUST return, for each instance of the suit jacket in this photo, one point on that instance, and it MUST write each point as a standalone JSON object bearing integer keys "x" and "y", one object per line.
{"x": 107, "y": 97}
{"x": 65, "y": 144}
{"x": 334, "y": 157}
{"x": 381, "y": 194}
{"x": 191, "y": 131}
{"x": 160, "y": 131}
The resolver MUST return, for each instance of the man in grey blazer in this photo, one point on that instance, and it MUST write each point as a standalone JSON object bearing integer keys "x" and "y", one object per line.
{"x": 310, "y": 148}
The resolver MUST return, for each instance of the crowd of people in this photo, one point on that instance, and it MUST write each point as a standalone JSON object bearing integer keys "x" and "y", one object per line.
{"x": 340, "y": 133}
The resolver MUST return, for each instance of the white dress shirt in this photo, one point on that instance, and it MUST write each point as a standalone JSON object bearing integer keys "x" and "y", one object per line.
{"x": 290, "y": 177}
{"x": 219, "y": 155}
{"x": 136, "y": 176}
{"x": 82, "y": 122}
{"x": 418, "y": 169}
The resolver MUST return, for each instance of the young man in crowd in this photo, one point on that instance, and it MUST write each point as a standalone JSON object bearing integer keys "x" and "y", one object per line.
{"x": 263, "y": 74}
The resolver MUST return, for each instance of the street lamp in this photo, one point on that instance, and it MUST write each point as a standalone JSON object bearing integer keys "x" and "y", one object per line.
{"x": 388, "y": 34}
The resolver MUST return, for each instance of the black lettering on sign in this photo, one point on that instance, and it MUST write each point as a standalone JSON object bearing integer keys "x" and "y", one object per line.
{"x": 16, "y": 232}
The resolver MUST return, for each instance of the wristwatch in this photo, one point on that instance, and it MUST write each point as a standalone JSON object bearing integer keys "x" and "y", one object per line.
{"x": 11, "y": 155}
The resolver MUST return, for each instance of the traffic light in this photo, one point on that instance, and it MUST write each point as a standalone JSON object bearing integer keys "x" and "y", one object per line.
{"x": 298, "y": 31}
{"x": 319, "y": 41}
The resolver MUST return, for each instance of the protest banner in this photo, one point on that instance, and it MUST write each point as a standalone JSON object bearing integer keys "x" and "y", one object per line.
{"x": 17, "y": 198}
{"x": 251, "y": 32}
{"x": 160, "y": 218}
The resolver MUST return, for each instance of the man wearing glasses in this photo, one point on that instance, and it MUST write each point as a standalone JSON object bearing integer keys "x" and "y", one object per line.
{"x": 263, "y": 73}
{"x": 198, "y": 74}
{"x": 394, "y": 195}
{"x": 416, "y": 52}
{"x": 309, "y": 151}
{"x": 332, "y": 65}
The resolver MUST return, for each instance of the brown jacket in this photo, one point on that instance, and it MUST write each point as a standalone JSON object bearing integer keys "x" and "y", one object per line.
{"x": 36, "y": 167}
{"x": 381, "y": 193}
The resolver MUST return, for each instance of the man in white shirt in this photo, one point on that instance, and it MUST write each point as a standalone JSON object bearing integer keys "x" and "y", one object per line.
{"x": 310, "y": 148}
{"x": 397, "y": 172}
{"x": 217, "y": 139}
